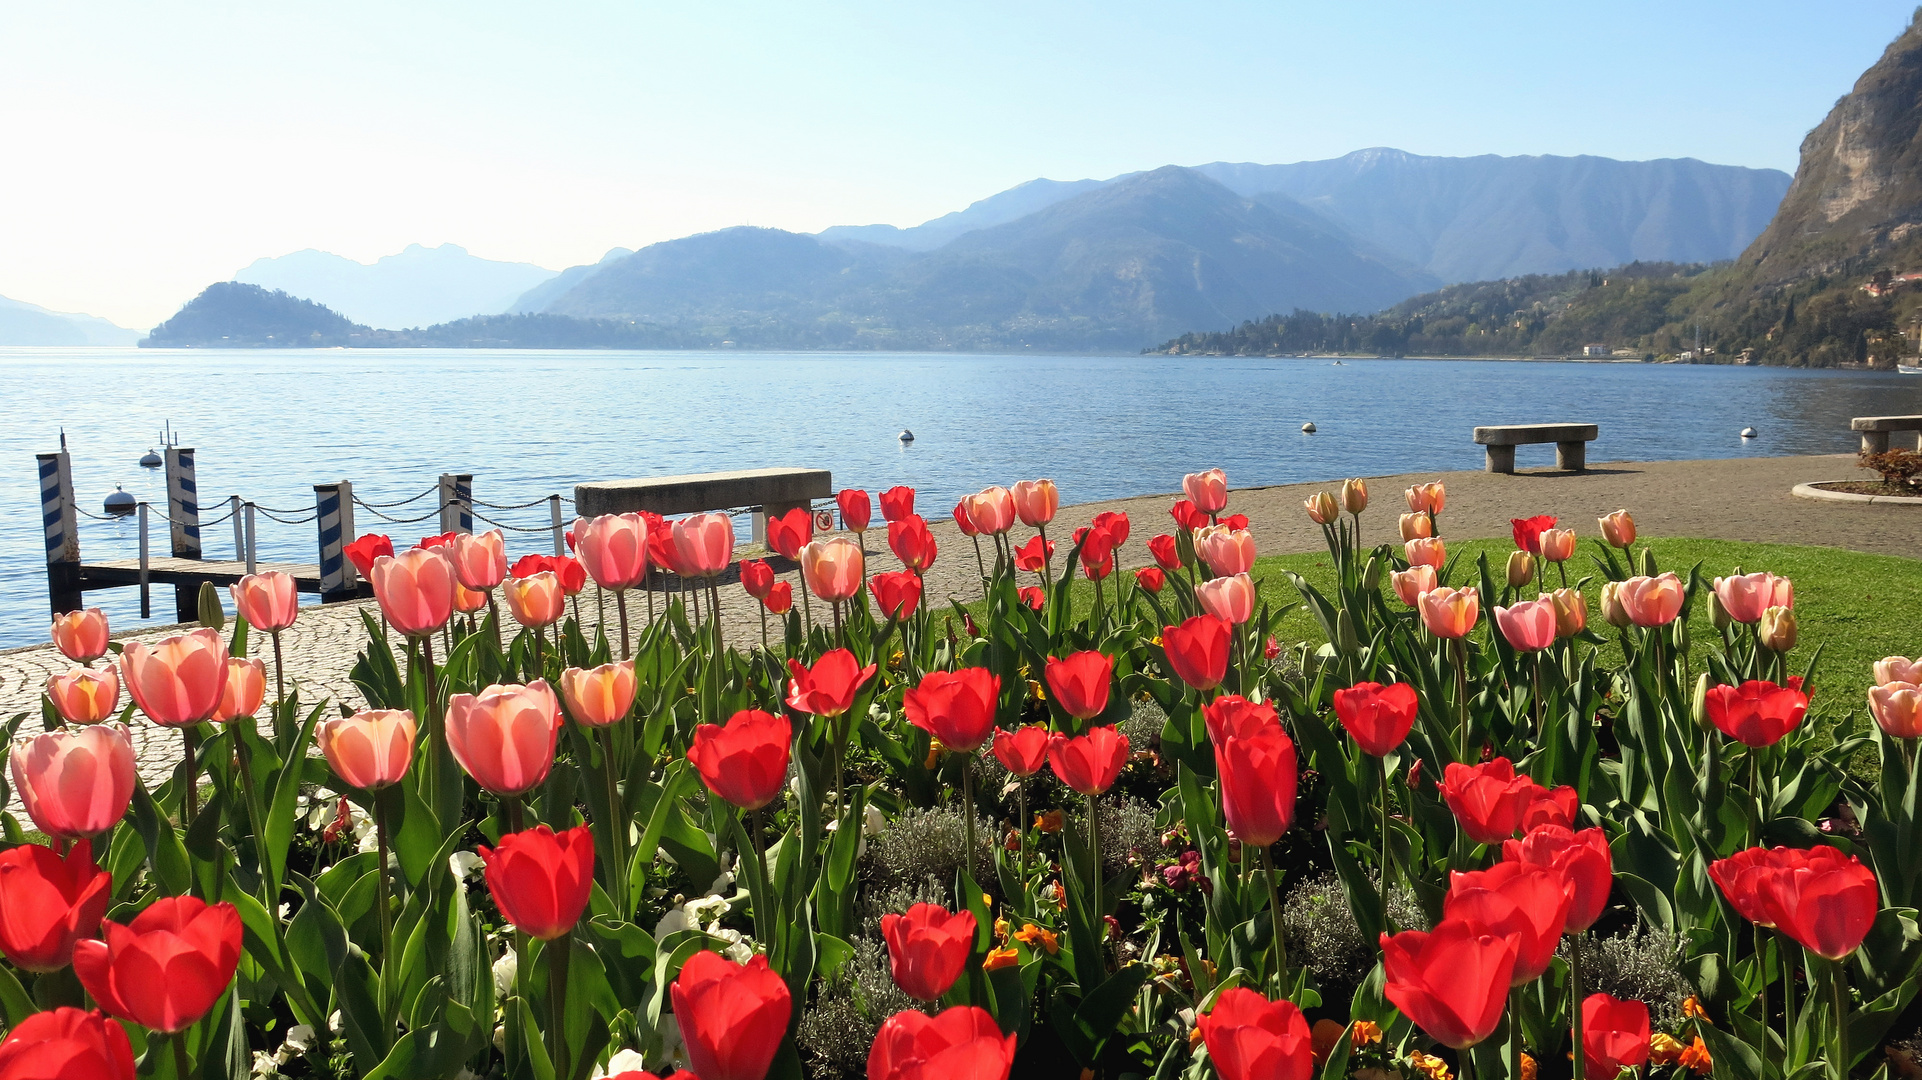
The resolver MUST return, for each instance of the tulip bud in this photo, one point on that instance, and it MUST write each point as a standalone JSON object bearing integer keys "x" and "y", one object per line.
{"x": 211, "y": 616}
{"x": 1717, "y": 613}
{"x": 1698, "y": 705}
{"x": 1613, "y": 612}
{"x": 1678, "y": 636}
{"x": 1521, "y": 569}
{"x": 1354, "y": 495}
{"x": 1371, "y": 575}
{"x": 1416, "y": 527}
{"x": 1322, "y": 509}
{"x": 1345, "y": 638}
{"x": 1777, "y": 629}
{"x": 1571, "y": 612}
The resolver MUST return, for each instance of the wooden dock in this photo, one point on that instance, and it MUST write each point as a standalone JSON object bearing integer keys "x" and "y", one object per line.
{"x": 167, "y": 570}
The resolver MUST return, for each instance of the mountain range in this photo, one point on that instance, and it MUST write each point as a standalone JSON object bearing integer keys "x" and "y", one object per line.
{"x": 22, "y": 323}
{"x": 420, "y": 286}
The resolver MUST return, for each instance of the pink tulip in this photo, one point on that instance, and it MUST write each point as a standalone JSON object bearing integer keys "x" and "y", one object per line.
{"x": 369, "y": 750}
{"x": 1207, "y": 490}
{"x": 1899, "y": 669}
{"x": 832, "y": 568}
{"x": 1226, "y": 551}
{"x": 415, "y": 589}
{"x": 1897, "y": 708}
{"x": 75, "y": 783}
{"x": 705, "y": 544}
{"x": 505, "y": 737}
{"x": 480, "y": 562}
{"x": 1035, "y": 502}
{"x": 1416, "y": 527}
{"x": 991, "y": 510}
{"x": 613, "y": 547}
{"x": 1529, "y": 625}
{"x": 1652, "y": 601}
{"x": 536, "y": 600}
{"x": 1558, "y": 545}
{"x": 1618, "y": 529}
{"x": 1230, "y": 599}
{"x": 81, "y": 635}
{"x": 1428, "y": 551}
{"x": 599, "y": 696}
{"x": 1411, "y": 583}
{"x": 1452, "y": 613}
{"x": 85, "y": 695}
{"x": 1746, "y": 596}
{"x": 177, "y": 681}
{"x": 245, "y": 688}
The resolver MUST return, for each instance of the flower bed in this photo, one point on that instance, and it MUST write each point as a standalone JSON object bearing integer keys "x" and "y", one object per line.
{"x": 1493, "y": 821}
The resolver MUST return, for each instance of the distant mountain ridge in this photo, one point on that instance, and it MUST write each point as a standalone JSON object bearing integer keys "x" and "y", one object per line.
{"x": 420, "y": 286}
{"x": 22, "y": 323}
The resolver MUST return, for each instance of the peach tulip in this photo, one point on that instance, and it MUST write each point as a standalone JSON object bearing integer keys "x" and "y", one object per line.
{"x": 1322, "y": 508}
{"x": 267, "y": 600}
{"x": 1230, "y": 599}
{"x": 1428, "y": 552}
{"x": 81, "y": 635}
{"x": 1652, "y": 601}
{"x": 704, "y": 543}
{"x": 1529, "y": 625}
{"x": 177, "y": 681}
{"x": 1207, "y": 490}
{"x": 1226, "y": 551}
{"x": 1899, "y": 669}
{"x": 1411, "y": 583}
{"x": 1426, "y": 498}
{"x": 85, "y": 695}
{"x": 613, "y": 547}
{"x": 75, "y": 783}
{"x": 1558, "y": 545}
{"x": 369, "y": 750}
{"x": 1354, "y": 496}
{"x": 1520, "y": 569}
{"x": 832, "y": 568}
{"x": 599, "y": 696}
{"x": 1897, "y": 708}
{"x": 1035, "y": 502}
{"x": 1745, "y": 596}
{"x": 1613, "y": 611}
{"x": 246, "y": 687}
{"x": 467, "y": 601}
{"x": 1618, "y": 529}
{"x": 536, "y": 600}
{"x": 991, "y": 510}
{"x": 415, "y": 589}
{"x": 1776, "y": 631}
{"x": 1450, "y": 613}
{"x": 1571, "y": 612}
{"x": 504, "y": 737}
{"x": 1416, "y": 527}
{"x": 480, "y": 562}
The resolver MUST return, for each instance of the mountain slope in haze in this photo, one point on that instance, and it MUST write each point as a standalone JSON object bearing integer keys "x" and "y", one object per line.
{"x": 538, "y": 297}
{"x": 998, "y": 209}
{"x": 420, "y": 286}
{"x": 22, "y": 323}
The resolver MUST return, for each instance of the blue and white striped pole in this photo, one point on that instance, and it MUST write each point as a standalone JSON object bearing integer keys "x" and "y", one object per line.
{"x": 457, "y": 503}
{"x": 333, "y": 504}
{"x": 183, "y": 516}
{"x": 62, "y": 527}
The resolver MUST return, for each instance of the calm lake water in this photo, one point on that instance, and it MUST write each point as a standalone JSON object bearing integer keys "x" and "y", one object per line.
{"x": 269, "y": 424}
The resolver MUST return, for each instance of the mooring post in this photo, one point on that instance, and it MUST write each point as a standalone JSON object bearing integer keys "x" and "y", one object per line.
{"x": 146, "y": 603}
{"x": 560, "y": 538}
{"x": 457, "y": 502}
{"x": 253, "y": 540}
{"x": 240, "y": 534}
{"x": 183, "y": 515}
{"x": 333, "y": 506}
{"x": 57, "y": 514}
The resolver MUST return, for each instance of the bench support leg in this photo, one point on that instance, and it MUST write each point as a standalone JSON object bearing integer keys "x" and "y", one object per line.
{"x": 1571, "y": 456}
{"x": 1501, "y": 459}
{"x": 1875, "y": 442}
{"x": 758, "y": 527}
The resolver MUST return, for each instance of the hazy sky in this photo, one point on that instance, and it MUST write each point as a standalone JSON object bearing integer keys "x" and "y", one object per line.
{"x": 148, "y": 149}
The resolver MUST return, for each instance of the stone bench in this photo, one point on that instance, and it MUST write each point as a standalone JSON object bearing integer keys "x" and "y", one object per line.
{"x": 1571, "y": 444}
{"x": 765, "y": 491}
{"x": 1875, "y": 431}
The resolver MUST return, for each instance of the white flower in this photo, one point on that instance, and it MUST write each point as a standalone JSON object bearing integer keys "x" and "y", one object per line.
{"x": 623, "y": 1061}
{"x": 873, "y": 821}
{"x": 300, "y": 1038}
{"x": 465, "y": 864}
{"x": 673, "y": 1046}
{"x": 724, "y": 882}
{"x": 469, "y": 1074}
{"x": 500, "y": 1038}
{"x": 505, "y": 970}
{"x": 673, "y": 922}
{"x": 334, "y": 1022}
{"x": 266, "y": 1067}
{"x": 707, "y": 909}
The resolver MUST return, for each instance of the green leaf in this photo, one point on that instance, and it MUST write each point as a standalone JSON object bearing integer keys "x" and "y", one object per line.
{"x": 13, "y": 998}
{"x": 358, "y": 993}
{"x": 280, "y": 817}
{"x": 166, "y": 856}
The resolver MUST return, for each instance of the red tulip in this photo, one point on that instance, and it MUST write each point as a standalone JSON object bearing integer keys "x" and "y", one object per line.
{"x": 1258, "y": 777}
{"x": 1188, "y": 516}
{"x": 832, "y": 568}
{"x": 1022, "y": 751}
{"x": 1518, "y": 898}
{"x": 1747, "y": 878}
{"x": 601, "y": 696}
{"x": 505, "y": 737}
{"x": 1528, "y": 531}
{"x": 897, "y": 503}
{"x": 415, "y": 589}
{"x": 1032, "y": 595}
{"x": 1529, "y": 625}
{"x": 1756, "y": 713}
{"x": 1231, "y": 715}
{"x": 912, "y": 542}
{"x": 661, "y": 551}
{"x": 746, "y": 761}
{"x": 788, "y": 533}
{"x": 87, "y": 695}
{"x": 167, "y": 968}
{"x": 541, "y": 879}
{"x": 927, "y": 949}
{"x": 962, "y": 1043}
{"x": 1089, "y": 763}
{"x": 365, "y": 550}
{"x": 956, "y": 707}
{"x": 1097, "y": 546}
{"x": 1207, "y": 490}
{"x": 856, "y": 511}
{"x": 1252, "y": 1038}
{"x": 1033, "y": 556}
{"x": 963, "y": 521}
{"x": 897, "y": 593}
{"x": 1487, "y": 799}
{"x": 81, "y": 636}
{"x": 1549, "y": 806}
{"x": 757, "y": 578}
{"x": 67, "y": 1044}
{"x": 1150, "y": 578}
{"x": 1826, "y": 903}
{"x": 1583, "y": 858}
{"x": 829, "y": 687}
{"x": 612, "y": 549}
{"x": 177, "y": 681}
{"x": 1614, "y": 1034}
{"x": 444, "y": 540}
{"x": 75, "y": 783}
{"x": 1377, "y": 717}
{"x": 369, "y": 750}
{"x": 48, "y": 902}
{"x": 1198, "y": 651}
{"x": 528, "y": 565}
{"x": 780, "y": 598}
{"x": 732, "y": 1016}
{"x": 1080, "y": 683}
{"x": 1451, "y": 981}
{"x": 1116, "y": 524}
{"x": 1035, "y": 502}
{"x": 705, "y": 544}
{"x": 1166, "y": 550}
{"x": 267, "y": 600}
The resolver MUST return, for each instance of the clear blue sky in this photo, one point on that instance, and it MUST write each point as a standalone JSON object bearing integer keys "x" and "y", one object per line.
{"x": 153, "y": 148}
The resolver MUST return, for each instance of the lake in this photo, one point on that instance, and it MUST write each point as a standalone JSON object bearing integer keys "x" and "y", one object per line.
{"x": 268, "y": 424}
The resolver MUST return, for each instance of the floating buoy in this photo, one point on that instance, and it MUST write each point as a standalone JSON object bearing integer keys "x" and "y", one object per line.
{"x": 1748, "y": 433}
{"x": 119, "y": 504}
{"x": 1308, "y": 429}
{"x": 150, "y": 460}
{"x": 906, "y": 435}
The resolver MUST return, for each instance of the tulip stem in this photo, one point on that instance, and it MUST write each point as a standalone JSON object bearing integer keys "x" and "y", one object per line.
{"x": 1515, "y": 1033}
{"x": 620, "y": 604}
{"x": 1841, "y": 1000}
{"x": 1021, "y": 831}
{"x": 1274, "y": 912}
{"x": 280, "y": 678}
{"x": 190, "y": 797}
{"x": 1094, "y": 850}
{"x": 757, "y": 882}
{"x": 380, "y": 877}
{"x": 436, "y": 738}
{"x": 1575, "y": 1001}
{"x": 182, "y": 1067}
{"x": 967, "y": 808}
{"x": 616, "y": 823}
{"x": 1762, "y": 977}
{"x": 1386, "y": 855}
{"x": 980, "y": 565}
{"x": 559, "y": 951}
{"x": 1461, "y": 693}
{"x": 1047, "y": 561}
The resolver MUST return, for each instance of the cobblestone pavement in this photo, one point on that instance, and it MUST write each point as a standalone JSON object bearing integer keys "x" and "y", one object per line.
{"x": 1741, "y": 499}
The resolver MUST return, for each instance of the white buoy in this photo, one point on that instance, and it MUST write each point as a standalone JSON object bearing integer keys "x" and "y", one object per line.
{"x": 119, "y": 504}
{"x": 1308, "y": 429}
{"x": 1748, "y": 433}
{"x": 906, "y": 435}
{"x": 150, "y": 460}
